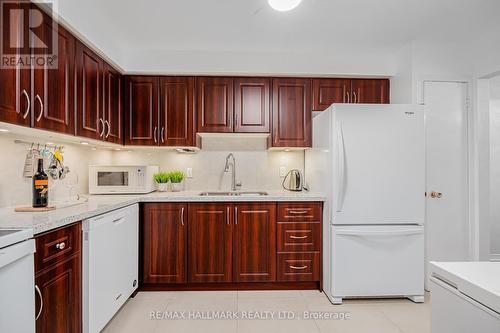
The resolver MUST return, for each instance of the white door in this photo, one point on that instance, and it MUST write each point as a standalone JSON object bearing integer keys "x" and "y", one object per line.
{"x": 447, "y": 226}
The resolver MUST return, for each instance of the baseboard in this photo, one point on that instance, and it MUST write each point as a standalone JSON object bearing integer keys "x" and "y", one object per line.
{"x": 232, "y": 286}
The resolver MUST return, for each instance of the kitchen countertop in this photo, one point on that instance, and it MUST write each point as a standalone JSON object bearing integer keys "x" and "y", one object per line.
{"x": 478, "y": 280}
{"x": 100, "y": 204}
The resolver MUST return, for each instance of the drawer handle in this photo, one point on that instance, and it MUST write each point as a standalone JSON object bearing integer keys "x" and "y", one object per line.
{"x": 299, "y": 211}
{"x": 298, "y": 237}
{"x": 61, "y": 246}
{"x": 298, "y": 268}
{"x": 41, "y": 302}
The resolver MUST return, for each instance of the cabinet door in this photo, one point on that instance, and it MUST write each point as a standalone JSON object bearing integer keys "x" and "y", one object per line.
{"x": 52, "y": 101}
{"x": 60, "y": 288}
{"x": 255, "y": 242}
{"x": 329, "y": 91}
{"x": 113, "y": 105}
{"x": 15, "y": 91}
{"x": 251, "y": 105}
{"x": 370, "y": 91}
{"x": 176, "y": 111}
{"x": 292, "y": 113}
{"x": 164, "y": 243}
{"x": 210, "y": 242}
{"x": 141, "y": 110}
{"x": 214, "y": 104}
{"x": 89, "y": 111}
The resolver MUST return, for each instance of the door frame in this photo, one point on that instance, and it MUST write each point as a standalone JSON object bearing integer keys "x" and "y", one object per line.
{"x": 471, "y": 167}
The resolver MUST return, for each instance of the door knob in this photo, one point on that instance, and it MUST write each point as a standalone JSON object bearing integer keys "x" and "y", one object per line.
{"x": 436, "y": 195}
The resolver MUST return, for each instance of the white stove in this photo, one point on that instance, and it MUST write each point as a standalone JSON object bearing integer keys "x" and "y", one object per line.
{"x": 17, "y": 281}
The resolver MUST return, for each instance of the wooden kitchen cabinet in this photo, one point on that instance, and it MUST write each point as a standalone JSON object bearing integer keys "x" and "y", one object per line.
{"x": 58, "y": 280}
{"x": 52, "y": 101}
{"x": 292, "y": 114}
{"x": 252, "y": 105}
{"x": 370, "y": 91}
{"x": 254, "y": 242}
{"x": 89, "y": 93}
{"x": 210, "y": 242}
{"x": 177, "y": 111}
{"x": 214, "y": 109}
{"x": 141, "y": 110}
{"x": 113, "y": 109}
{"x": 329, "y": 91}
{"x": 164, "y": 243}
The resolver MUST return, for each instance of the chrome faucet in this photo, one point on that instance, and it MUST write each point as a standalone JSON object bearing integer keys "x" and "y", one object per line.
{"x": 234, "y": 184}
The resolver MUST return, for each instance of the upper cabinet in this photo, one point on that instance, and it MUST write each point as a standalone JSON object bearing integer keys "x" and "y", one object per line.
{"x": 141, "y": 110}
{"x": 370, "y": 91}
{"x": 252, "y": 105}
{"x": 214, "y": 98}
{"x": 112, "y": 105}
{"x": 292, "y": 115}
{"x": 89, "y": 93}
{"x": 39, "y": 97}
{"x": 329, "y": 91}
{"x": 177, "y": 111}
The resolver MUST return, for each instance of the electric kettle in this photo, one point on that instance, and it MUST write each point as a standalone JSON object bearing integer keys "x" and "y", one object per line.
{"x": 293, "y": 181}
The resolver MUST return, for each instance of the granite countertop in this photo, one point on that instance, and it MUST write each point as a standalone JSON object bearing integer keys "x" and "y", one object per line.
{"x": 100, "y": 204}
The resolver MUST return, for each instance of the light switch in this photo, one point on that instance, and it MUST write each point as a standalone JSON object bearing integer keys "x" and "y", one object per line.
{"x": 282, "y": 172}
{"x": 189, "y": 173}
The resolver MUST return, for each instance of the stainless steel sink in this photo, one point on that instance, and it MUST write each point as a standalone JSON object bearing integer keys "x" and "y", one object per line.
{"x": 228, "y": 194}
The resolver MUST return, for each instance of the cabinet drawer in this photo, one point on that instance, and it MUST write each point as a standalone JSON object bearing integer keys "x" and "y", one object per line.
{"x": 299, "y": 212}
{"x": 296, "y": 237}
{"x": 299, "y": 266}
{"x": 57, "y": 245}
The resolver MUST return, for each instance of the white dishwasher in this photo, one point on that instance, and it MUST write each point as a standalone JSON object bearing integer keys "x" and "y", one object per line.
{"x": 110, "y": 265}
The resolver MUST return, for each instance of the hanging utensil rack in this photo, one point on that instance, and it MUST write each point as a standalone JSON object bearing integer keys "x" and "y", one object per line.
{"x": 39, "y": 145}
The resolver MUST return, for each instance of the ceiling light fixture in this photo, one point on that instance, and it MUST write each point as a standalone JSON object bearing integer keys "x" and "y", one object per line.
{"x": 283, "y": 5}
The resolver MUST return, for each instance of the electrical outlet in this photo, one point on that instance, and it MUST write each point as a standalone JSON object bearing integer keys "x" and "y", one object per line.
{"x": 282, "y": 171}
{"x": 189, "y": 173}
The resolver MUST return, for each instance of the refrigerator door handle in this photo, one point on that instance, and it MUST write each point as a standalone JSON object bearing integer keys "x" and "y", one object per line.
{"x": 357, "y": 233}
{"x": 341, "y": 169}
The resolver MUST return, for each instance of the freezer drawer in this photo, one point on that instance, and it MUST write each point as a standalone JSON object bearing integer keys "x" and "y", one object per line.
{"x": 377, "y": 261}
{"x": 454, "y": 312}
{"x": 110, "y": 265}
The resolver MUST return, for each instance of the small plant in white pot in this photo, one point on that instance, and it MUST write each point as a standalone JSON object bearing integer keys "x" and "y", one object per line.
{"x": 162, "y": 178}
{"x": 176, "y": 178}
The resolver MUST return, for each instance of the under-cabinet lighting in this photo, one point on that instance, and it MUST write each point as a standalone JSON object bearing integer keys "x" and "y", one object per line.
{"x": 283, "y": 5}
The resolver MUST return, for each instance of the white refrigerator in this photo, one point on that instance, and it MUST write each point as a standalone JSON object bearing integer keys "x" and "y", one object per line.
{"x": 370, "y": 162}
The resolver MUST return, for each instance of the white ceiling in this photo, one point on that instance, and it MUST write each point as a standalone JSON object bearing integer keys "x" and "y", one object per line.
{"x": 252, "y": 26}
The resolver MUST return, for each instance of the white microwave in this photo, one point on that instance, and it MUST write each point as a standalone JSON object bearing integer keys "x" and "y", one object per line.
{"x": 122, "y": 179}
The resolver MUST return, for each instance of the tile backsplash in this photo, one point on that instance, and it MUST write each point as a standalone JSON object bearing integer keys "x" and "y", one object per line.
{"x": 256, "y": 170}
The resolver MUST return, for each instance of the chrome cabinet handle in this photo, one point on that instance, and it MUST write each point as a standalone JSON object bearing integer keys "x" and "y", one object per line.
{"x": 236, "y": 215}
{"x": 298, "y": 237}
{"x": 182, "y": 215}
{"x": 298, "y": 211}
{"x": 109, "y": 128}
{"x": 41, "y": 302}
{"x": 162, "y": 134}
{"x": 227, "y": 216}
{"x": 28, "y": 106}
{"x": 297, "y": 267}
{"x": 355, "y": 98}
{"x": 103, "y": 128}
{"x": 348, "y": 97}
{"x": 61, "y": 246}
{"x": 37, "y": 97}
{"x": 154, "y": 134}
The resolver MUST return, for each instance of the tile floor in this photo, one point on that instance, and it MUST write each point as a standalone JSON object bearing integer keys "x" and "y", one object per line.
{"x": 361, "y": 316}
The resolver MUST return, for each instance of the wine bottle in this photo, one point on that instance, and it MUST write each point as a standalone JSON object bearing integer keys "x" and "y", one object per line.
{"x": 40, "y": 187}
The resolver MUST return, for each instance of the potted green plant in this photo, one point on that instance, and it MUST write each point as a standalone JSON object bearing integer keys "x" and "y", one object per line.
{"x": 162, "y": 178}
{"x": 176, "y": 178}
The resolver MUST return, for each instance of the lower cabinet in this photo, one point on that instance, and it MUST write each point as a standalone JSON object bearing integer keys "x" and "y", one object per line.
{"x": 164, "y": 240}
{"x": 201, "y": 243}
{"x": 58, "y": 281}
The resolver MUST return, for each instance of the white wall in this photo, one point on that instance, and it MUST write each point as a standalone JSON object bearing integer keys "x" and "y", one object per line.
{"x": 16, "y": 190}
